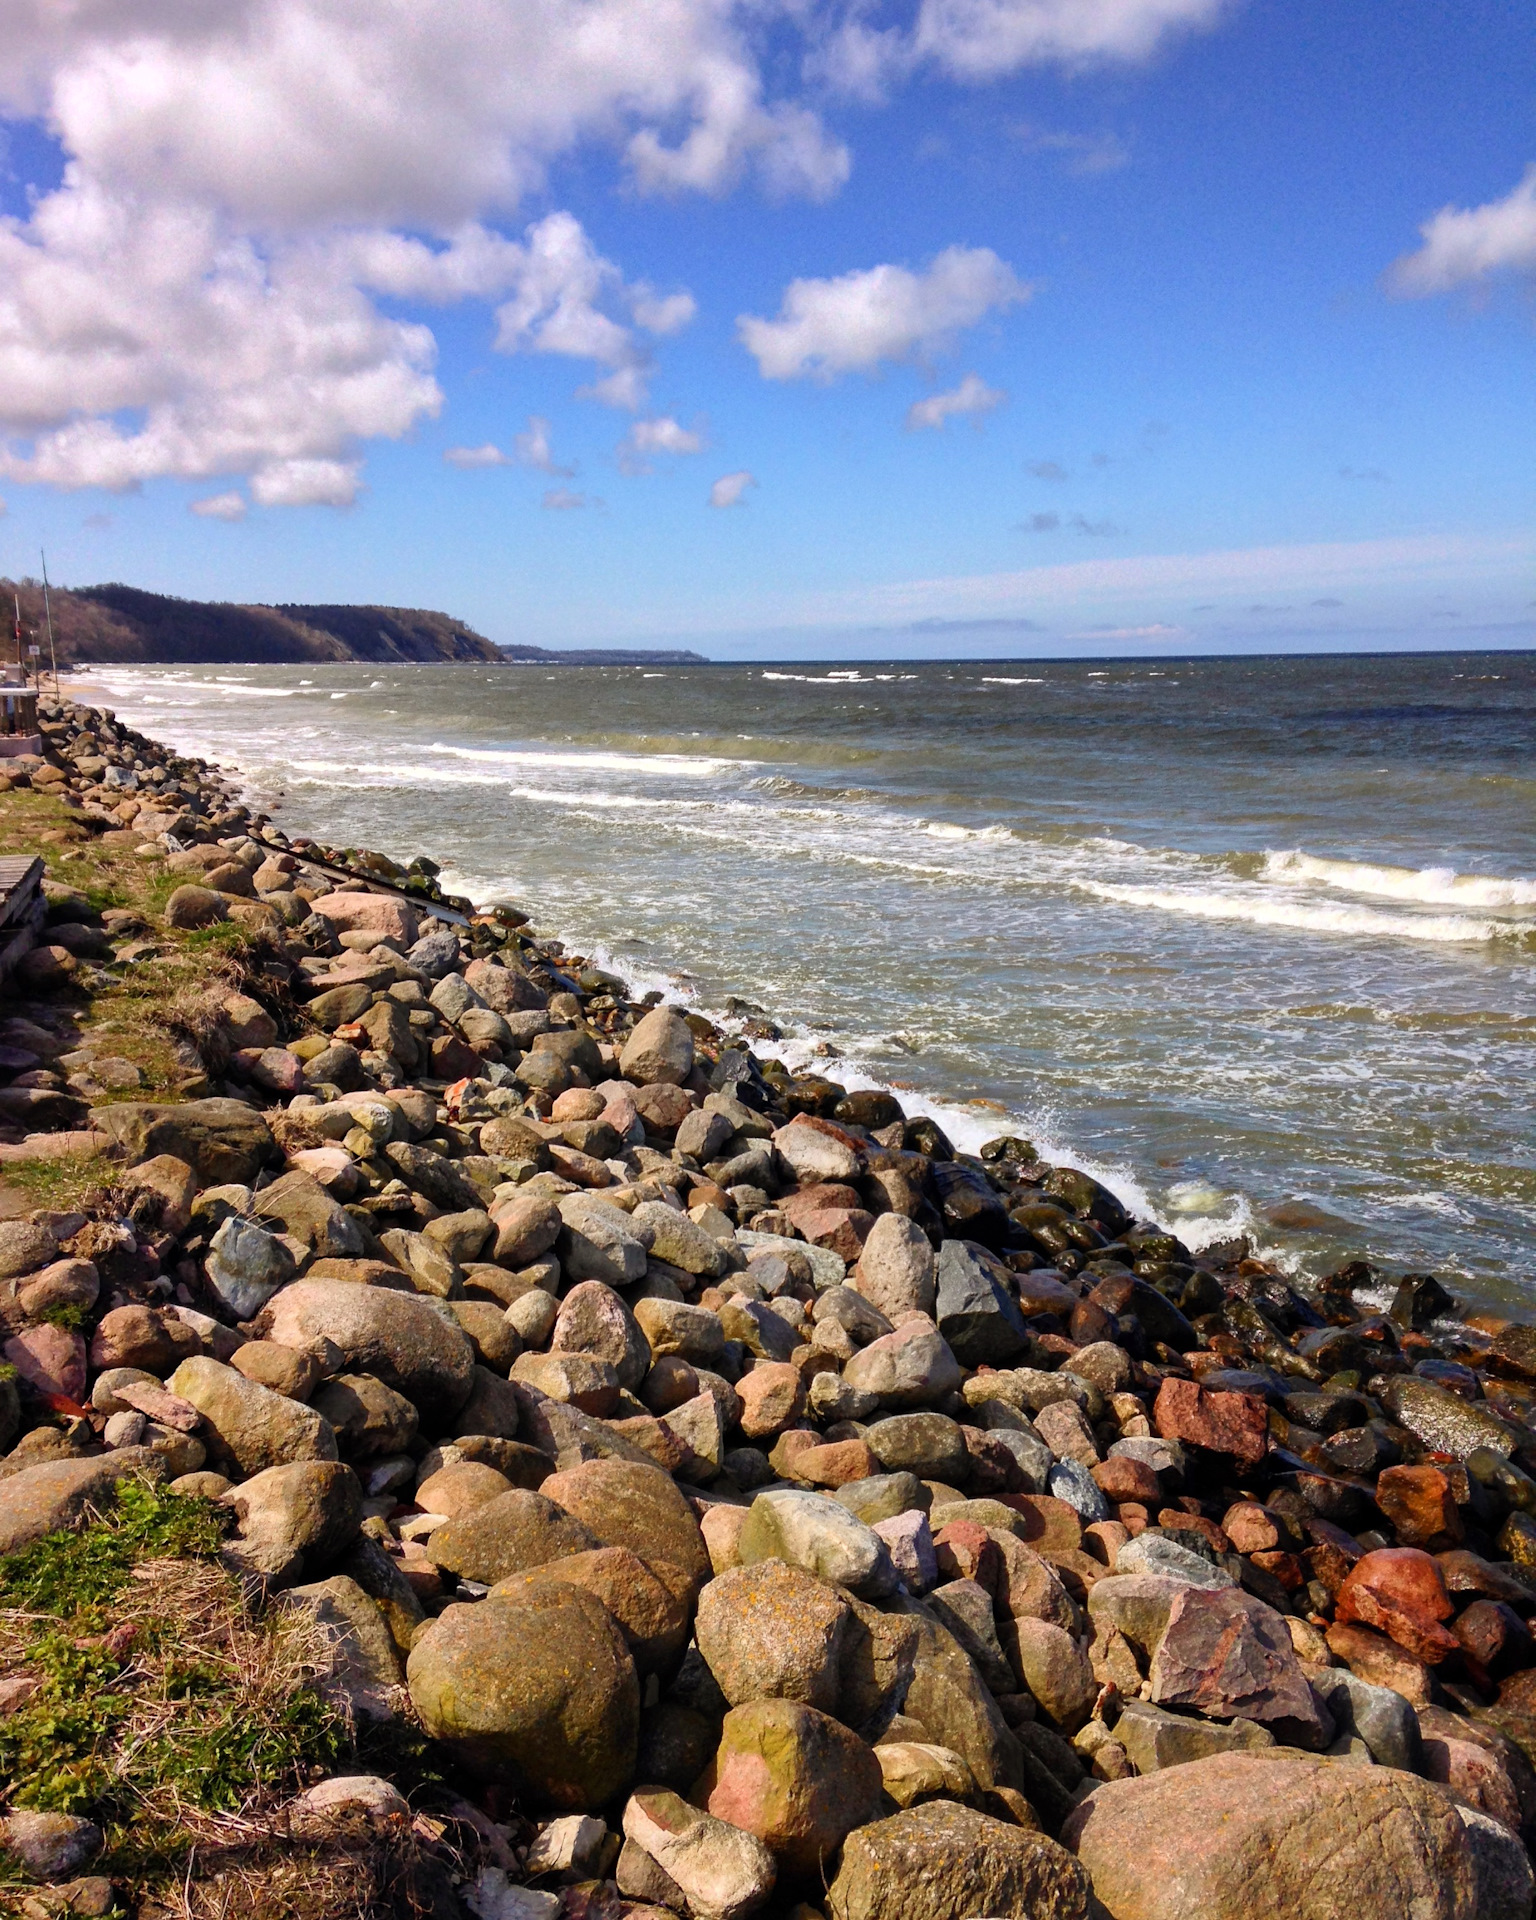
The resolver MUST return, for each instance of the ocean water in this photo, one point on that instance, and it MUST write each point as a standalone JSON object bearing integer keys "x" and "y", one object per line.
{"x": 1255, "y": 940}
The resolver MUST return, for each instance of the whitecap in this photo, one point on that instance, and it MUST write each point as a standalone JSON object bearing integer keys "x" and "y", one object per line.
{"x": 1431, "y": 886}
{"x": 1301, "y": 917}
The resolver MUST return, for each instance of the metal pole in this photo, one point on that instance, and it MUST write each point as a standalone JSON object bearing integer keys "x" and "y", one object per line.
{"x": 48, "y": 612}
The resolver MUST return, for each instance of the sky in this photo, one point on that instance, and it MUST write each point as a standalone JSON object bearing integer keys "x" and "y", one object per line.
{"x": 822, "y": 328}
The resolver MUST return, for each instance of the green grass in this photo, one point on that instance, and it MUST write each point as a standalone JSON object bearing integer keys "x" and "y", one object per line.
{"x": 73, "y": 1574}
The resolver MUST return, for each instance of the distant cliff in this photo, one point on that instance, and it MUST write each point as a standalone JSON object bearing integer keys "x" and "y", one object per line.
{"x": 126, "y": 626}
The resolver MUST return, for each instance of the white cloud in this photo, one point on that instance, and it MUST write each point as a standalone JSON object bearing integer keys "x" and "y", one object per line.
{"x": 532, "y": 449}
{"x": 1465, "y": 244}
{"x": 220, "y": 506}
{"x": 972, "y": 396}
{"x": 562, "y": 500}
{"x": 1085, "y": 153}
{"x": 245, "y": 184}
{"x": 662, "y": 435}
{"x": 471, "y": 458}
{"x": 729, "y": 488}
{"x": 984, "y": 39}
{"x": 307, "y": 483}
{"x": 853, "y": 323}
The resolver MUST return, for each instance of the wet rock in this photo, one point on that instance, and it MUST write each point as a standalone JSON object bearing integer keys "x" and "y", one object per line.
{"x": 975, "y": 1313}
{"x": 1399, "y": 1591}
{"x": 796, "y": 1778}
{"x": 1233, "y": 1423}
{"x": 541, "y": 1692}
{"x": 946, "y": 1862}
{"x": 1444, "y": 1421}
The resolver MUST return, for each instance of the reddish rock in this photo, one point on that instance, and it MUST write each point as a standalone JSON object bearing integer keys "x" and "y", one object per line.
{"x": 1250, "y": 1528}
{"x": 1473, "y": 1774}
{"x": 836, "y": 1463}
{"x": 842, "y": 1230}
{"x": 1226, "y": 1654}
{"x": 772, "y": 1398}
{"x": 1493, "y": 1635}
{"x": 966, "y": 1551}
{"x": 1374, "y": 1658}
{"x": 1234, "y": 1423}
{"x": 146, "y": 1337}
{"x": 50, "y": 1359}
{"x": 1050, "y": 1525}
{"x": 1399, "y": 1591}
{"x": 795, "y": 1778}
{"x": 1119, "y": 1478}
{"x": 1421, "y": 1506}
{"x": 1281, "y": 1566}
{"x": 1175, "y": 1520}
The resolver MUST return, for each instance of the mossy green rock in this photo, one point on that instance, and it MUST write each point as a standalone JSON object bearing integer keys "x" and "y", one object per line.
{"x": 540, "y": 1694}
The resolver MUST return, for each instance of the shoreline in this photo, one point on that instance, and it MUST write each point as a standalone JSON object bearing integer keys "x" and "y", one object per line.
{"x": 495, "y": 1314}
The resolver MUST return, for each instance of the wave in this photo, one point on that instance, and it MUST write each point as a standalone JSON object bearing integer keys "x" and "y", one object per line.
{"x": 679, "y": 766}
{"x": 947, "y": 830}
{"x": 1002, "y": 680}
{"x": 1430, "y": 886}
{"x": 1304, "y": 918}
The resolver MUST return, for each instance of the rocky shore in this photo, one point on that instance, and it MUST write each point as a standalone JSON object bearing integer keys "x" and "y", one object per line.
{"x": 674, "y": 1486}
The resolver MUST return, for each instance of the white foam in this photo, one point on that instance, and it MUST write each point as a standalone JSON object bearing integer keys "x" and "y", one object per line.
{"x": 677, "y": 766}
{"x": 1003, "y": 680}
{"x": 1432, "y": 886}
{"x": 1303, "y": 917}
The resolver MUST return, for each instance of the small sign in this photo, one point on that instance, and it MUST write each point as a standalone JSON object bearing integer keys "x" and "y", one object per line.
{"x": 33, "y": 652}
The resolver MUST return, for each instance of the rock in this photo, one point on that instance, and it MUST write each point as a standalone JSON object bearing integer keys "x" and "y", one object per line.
{"x": 1381, "y": 1662}
{"x": 572, "y": 1847}
{"x": 25, "y": 1246}
{"x": 671, "y": 1327}
{"x": 514, "y": 1532}
{"x": 772, "y": 1398}
{"x": 597, "y": 1243}
{"x": 300, "y": 1206}
{"x": 1155, "y": 1739}
{"x": 820, "y": 1536}
{"x": 354, "y": 1792}
{"x": 366, "y": 1668}
{"x": 52, "y": 1360}
{"x": 371, "y": 912}
{"x": 294, "y": 1519}
{"x": 796, "y": 1778}
{"x": 895, "y": 1270}
{"x": 224, "y": 1142}
{"x": 722, "y": 1871}
{"x": 142, "y": 1337}
{"x": 681, "y": 1242}
{"x": 51, "y": 1846}
{"x": 248, "y": 1425}
{"x": 1234, "y": 1423}
{"x": 652, "y": 1619}
{"x": 526, "y": 1228}
{"x": 1251, "y": 1836}
{"x": 975, "y": 1313}
{"x": 368, "y": 1419}
{"x": 1154, "y": 1554}
{"x": 1055, "y": 1670}
{"x": 912, "y": 1367}
{"x": 626, "y": 1504}
{"x": 947, "y": 1862}
{"x": 965, "y": 1610}
{"x": 62, "y": 1493}
{"x": 1226, "y": 1654}
{"x": 1505, "y": 1885}
{"x": 659, "y": 1051}
{"x": 460, "y": 1488}
{"x": 929, "y": 1445}
{"x": 909, "y": 1541}
{"x": 593, "y": 1320}
{"x": 1399, "y": 1591}
{"x": 576, "y": 1378}
{"x": 1379, "y": 1716}
{"x": 540, "y": 1693}
{"x": 915, "y": 1770}
{"x": 816, "y": 1155}
{"x": 246, "y": 1265}
{"x": 1444, "y": 1421}
{"x": 948, "y": 1700}
{"x": 193, "y": 906}
{"x": 771, "y": 1631}
{"x": 397, "y": 1337}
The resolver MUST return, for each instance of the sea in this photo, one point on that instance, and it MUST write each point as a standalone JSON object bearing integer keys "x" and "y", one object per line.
{"x": 1252, "y": 940}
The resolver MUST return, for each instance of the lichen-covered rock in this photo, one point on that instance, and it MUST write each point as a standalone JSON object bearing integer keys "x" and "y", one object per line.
{"x": 247, "y": 1425}
{"x": 796, "y": 1778}
{"x": 947, "y": 1862}
{"x": 773, "y": 1632}
{"x": 540, "y": 1693}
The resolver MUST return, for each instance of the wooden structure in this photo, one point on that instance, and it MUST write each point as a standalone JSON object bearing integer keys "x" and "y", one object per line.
{"x": 22, "y": 908}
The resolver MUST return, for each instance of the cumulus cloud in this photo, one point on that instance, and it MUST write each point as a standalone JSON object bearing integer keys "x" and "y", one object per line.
{"x": 729, "y": 488}
{"x": 220, "y": 506}
{"x": 471, "y": 458}
{"x": 248, "y": 188}
{"x": 972, "y": 396}
{"x": 647, "y": 438}
{"x": 1463, "y": 245}
{"x": 855, "y": 322}
{"x": 532, "y": 449}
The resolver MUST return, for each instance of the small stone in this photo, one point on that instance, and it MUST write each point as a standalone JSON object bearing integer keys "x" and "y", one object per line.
{"x": 722, "y": 1871}
{"x": 51, "y": 1846}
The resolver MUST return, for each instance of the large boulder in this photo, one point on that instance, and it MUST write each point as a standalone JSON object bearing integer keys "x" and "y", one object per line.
{"x": 652, "y": 1619}
{"x": 773, "y": 1632}
{"x": 948, "y": 1862}
{"x": 514, "y": 1532}
{"x": 296, "y": 1519}
{"x": 796, "y": 1778}
{"x": 1264, "y": 1836}
{"x": 625, "y": 1504}
{"x": 659, "y": 1051}
{"x": 895, "y": 1269}
{"x": 399, "y": 1337}
{"x": 225, "y": 1142}
{"x": 65, "y": 1493}
{"x": 248, "y": 1426}
{"x": 540, "y": 1694}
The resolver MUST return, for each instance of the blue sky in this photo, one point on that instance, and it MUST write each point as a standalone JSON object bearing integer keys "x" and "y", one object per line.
{"x": 1231, "y": 303}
